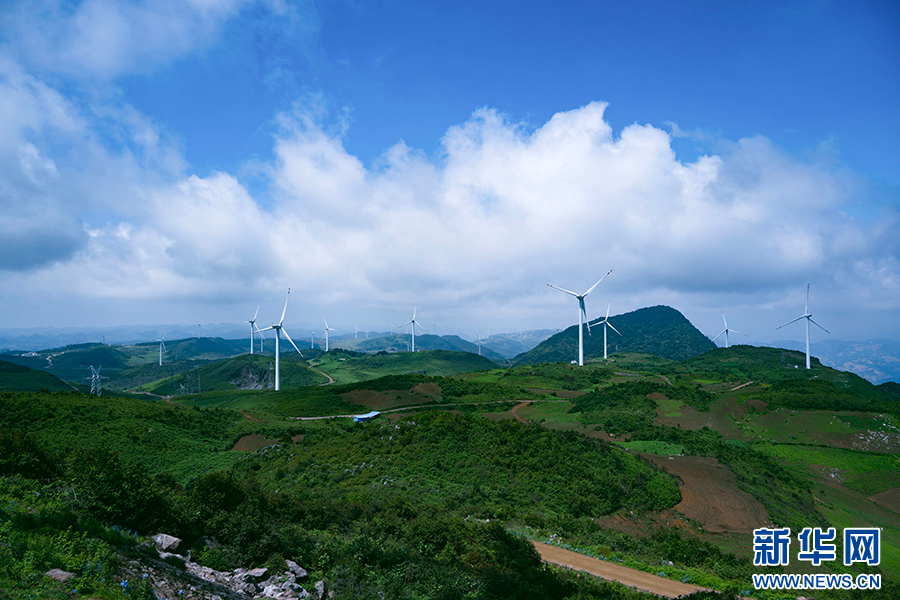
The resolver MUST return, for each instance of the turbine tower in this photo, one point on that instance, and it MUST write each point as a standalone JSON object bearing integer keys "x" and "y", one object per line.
{"x": 252, "y": 327}
{"x": 726, "y": 331}
{"x": 327, "y": 329}
{"x": 412, "y": 322}
{"x": 605, "y": 322}
{"x": 808, "y": 316}
{"x": 582, "y": 314}
{"x": 162, "y": 346}
{"x": 279, "y": 327}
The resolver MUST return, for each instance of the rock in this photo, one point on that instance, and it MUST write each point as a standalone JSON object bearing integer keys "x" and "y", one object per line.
{"x": 59, "y": 575}
{"x": 166, "y": 542}
{"x": 258, "y": 574}
{"x": 320, "y": 589}
{"x": 296, "y": 569}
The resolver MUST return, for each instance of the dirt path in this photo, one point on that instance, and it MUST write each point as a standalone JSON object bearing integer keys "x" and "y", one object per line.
{"x": 251, "y": 417}
{"x": 640, "y": 580}
{"x": 330, "y": 380}
{"x": 740, "y": 386}
{"x": 515, "y": 412}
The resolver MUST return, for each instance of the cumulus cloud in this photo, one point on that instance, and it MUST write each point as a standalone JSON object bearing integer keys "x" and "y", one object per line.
{"x": 478, "y": 228}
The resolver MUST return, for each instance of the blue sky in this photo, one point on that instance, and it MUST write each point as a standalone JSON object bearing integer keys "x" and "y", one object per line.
{"x": 176, "y": 161}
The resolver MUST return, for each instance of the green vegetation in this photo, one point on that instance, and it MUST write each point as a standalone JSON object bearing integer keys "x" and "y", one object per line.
{"x": 17, "y": 378}
{"x": 658, "y": 330}
{"x": 433, "y": 501}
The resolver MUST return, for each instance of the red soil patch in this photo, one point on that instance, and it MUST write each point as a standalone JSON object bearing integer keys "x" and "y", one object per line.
{"x": 515, "y": 412}
{"x": 252, "y": 443}
{"x": 889, "y": 499}
{"x": 710, "y": 495}
{"x": 250, "y": 417}
{"x": 431, "y": 389}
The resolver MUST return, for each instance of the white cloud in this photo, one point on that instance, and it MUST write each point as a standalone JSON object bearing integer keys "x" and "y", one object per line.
{"x": 106, "y": 38}
{"x": 479, "y": 229}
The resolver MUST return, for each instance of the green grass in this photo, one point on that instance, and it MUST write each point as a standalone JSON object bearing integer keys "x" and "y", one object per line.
{"x": 19, "y": 378}
{"x": 866, "y": 472}
{"x": 348, "y": 367}
{"x": 670, "y": 408}
{"x": 549, "y": 412}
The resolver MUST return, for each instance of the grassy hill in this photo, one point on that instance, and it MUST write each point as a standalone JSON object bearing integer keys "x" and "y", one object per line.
{"x": 348, "y": 367}
{"x": 248, "y": 372}
{"x": 401, "y": 342}
{"x": 658, "y": 330}
{"x": 16, "y": 378}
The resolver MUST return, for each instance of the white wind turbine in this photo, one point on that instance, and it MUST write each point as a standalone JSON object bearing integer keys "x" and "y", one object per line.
{"x": 478, "y": 342}
{"x": 726, "y": 331}
{"x": 253, "y": 327}
{"x": 806, "y": 315}
{"x": 582, "y": 315}
{"x": 412, "y": 322}
{"x": 605, "y": 322}
{"x": 162, "y": 346}
{"x": 279, "y": 327}
{"x": 327, "y": 329}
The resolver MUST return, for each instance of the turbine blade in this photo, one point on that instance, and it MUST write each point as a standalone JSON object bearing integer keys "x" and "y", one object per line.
{"x": 807, "y": 299}
{"x": 266, "y": 329}
{"x": 613, "y": 328}
{"x": 723, "y": 320}
{"x": 819, "y": 326}
{"x": 789, "y": 322}
{"x": 606, "y": 318}
{"x": 284, "y": 312}
{"x": 720, "y": 335}
{"x": 596, "y": 284}
{"x": 256, "y": 314}
{"x": 563, "y": 290}
{"x": 738, "y": 332}
{"x": 284, "y": 331}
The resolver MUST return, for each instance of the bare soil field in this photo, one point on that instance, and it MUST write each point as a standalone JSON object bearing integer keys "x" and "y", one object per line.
{"x": 392, "y": 398}
{"x": 633, "y": 578}
{"x": 710, "y": 495}
{"x": 252, "y": 443}
{"x": 889, "y": 499}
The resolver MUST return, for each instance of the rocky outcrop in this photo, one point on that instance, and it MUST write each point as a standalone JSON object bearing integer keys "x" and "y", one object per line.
{"x": 172, "y": 575}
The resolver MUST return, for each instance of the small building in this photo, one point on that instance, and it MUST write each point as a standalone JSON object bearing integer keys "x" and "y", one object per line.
{"x": 366, "y": 417}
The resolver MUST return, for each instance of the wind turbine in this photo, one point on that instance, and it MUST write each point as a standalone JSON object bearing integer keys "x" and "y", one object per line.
{"x": 478, "y": 342}
{"x": 412, "y": 322}
{"x": 327, "y": 329}
{"x": 356, "y": 333}
{"x": 605, "y": 322}
{"x": 806, "y": 315}
{"x": 162, "y": 346}
{"x": 312, "y": 340}
{"x": 726, "y": 331}
{"x": 252, "y": 326}
{"x": 279, "y": 327}
{"x": 582, "y": 315}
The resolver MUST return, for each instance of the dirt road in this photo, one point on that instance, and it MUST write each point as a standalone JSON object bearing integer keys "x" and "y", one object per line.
{"x": 640, "y": 580}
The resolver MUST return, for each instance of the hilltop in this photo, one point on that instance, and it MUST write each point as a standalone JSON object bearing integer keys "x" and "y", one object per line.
{"x": 659, "y": 330}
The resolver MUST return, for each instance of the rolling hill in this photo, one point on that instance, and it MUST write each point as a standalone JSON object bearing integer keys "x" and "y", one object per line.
{"x": 659, "y": 330}
{"x": 18, "y": 378}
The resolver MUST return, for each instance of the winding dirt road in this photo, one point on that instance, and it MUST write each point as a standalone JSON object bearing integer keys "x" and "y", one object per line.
{"x": 639, "y": 580}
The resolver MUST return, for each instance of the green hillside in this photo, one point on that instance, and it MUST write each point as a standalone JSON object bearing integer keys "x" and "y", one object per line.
{"x": 401, "y": 342}
{"x": 348, "y": 367}
{"x": 18, "y": 378}
{"x": 247, "y": 372}
{"x": 661, "y": 465}
{"x": 658, "y": 330}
